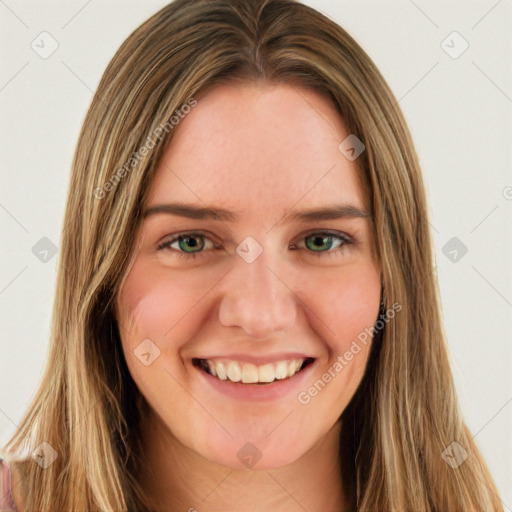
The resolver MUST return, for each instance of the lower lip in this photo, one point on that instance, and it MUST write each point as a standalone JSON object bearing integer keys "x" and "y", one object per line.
{"x": 258, "y": 392}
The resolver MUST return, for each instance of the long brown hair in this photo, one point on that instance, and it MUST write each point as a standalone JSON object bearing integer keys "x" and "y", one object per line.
{"x": 87, "y": 408}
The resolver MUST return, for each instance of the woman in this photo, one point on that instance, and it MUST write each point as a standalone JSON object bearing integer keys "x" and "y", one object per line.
{"x": 208, "y": 352}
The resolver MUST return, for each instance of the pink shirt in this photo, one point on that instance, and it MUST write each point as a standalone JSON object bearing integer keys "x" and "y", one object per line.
{"x": 6, "y": 499}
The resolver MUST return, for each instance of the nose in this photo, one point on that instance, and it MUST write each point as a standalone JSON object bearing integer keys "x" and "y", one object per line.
{"x": 257, "y": 299}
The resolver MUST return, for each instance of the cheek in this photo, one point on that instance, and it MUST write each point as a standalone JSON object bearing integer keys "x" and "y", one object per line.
{"x": 347, "y": 303}
{"x": 347, "y": 310}
{"x": 160, "y": 305}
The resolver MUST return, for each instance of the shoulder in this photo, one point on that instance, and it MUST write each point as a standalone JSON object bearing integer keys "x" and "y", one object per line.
{"x": 7, "y": 503}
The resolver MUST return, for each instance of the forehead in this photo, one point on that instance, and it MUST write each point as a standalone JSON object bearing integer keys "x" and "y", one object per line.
{"x": 256, "y": 149}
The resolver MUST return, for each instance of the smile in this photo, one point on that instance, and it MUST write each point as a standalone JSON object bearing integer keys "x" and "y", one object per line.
{"x": 249, "y": 373}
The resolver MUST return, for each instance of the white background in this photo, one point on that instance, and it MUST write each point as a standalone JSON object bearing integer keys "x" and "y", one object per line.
{"x": 460, "y": 115}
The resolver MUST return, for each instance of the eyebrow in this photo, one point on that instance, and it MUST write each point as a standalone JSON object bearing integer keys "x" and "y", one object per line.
{"x": 221, "y": 214}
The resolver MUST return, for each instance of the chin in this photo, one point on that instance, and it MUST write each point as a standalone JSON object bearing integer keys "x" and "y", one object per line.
{"x": 262, "y": 453}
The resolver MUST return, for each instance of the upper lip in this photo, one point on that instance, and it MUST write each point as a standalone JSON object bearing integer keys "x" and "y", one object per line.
{"x": 259, "y": 360}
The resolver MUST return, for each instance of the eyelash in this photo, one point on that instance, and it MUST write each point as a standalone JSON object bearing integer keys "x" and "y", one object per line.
{"x": 344, "y": 238}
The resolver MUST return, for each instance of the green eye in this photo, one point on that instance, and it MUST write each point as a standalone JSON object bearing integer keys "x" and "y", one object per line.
{"x": 188, "y": 245}
{"x": 186, "y": 242}
{"x": 323, "y": 243}
{"x": 319, "y": 243}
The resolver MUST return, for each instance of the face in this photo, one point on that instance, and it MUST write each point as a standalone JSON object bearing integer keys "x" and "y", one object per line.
{"x": 242, "y": 327}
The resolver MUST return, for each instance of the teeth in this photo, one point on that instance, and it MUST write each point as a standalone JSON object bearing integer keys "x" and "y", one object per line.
{"x": 281, "y": 371}
{"x": 221, "y": 371}
{"x": 234, "y": 373}
{"x": 211, "y": 366}
{"x": 249, "y": 373}
{"x": 266, "y": 373}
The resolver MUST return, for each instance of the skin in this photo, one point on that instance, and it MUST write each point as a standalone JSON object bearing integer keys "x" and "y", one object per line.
{"x": 262, "y": 151}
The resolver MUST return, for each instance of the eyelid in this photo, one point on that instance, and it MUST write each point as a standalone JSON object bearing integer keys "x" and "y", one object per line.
{"x": 330, "y": 232}
{"x": 346, "y": 242}
{"x": 174, "y": 237}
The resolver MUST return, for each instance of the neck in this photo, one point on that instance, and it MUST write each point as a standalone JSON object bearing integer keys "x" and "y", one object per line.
{"x": 178, "y": 479}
